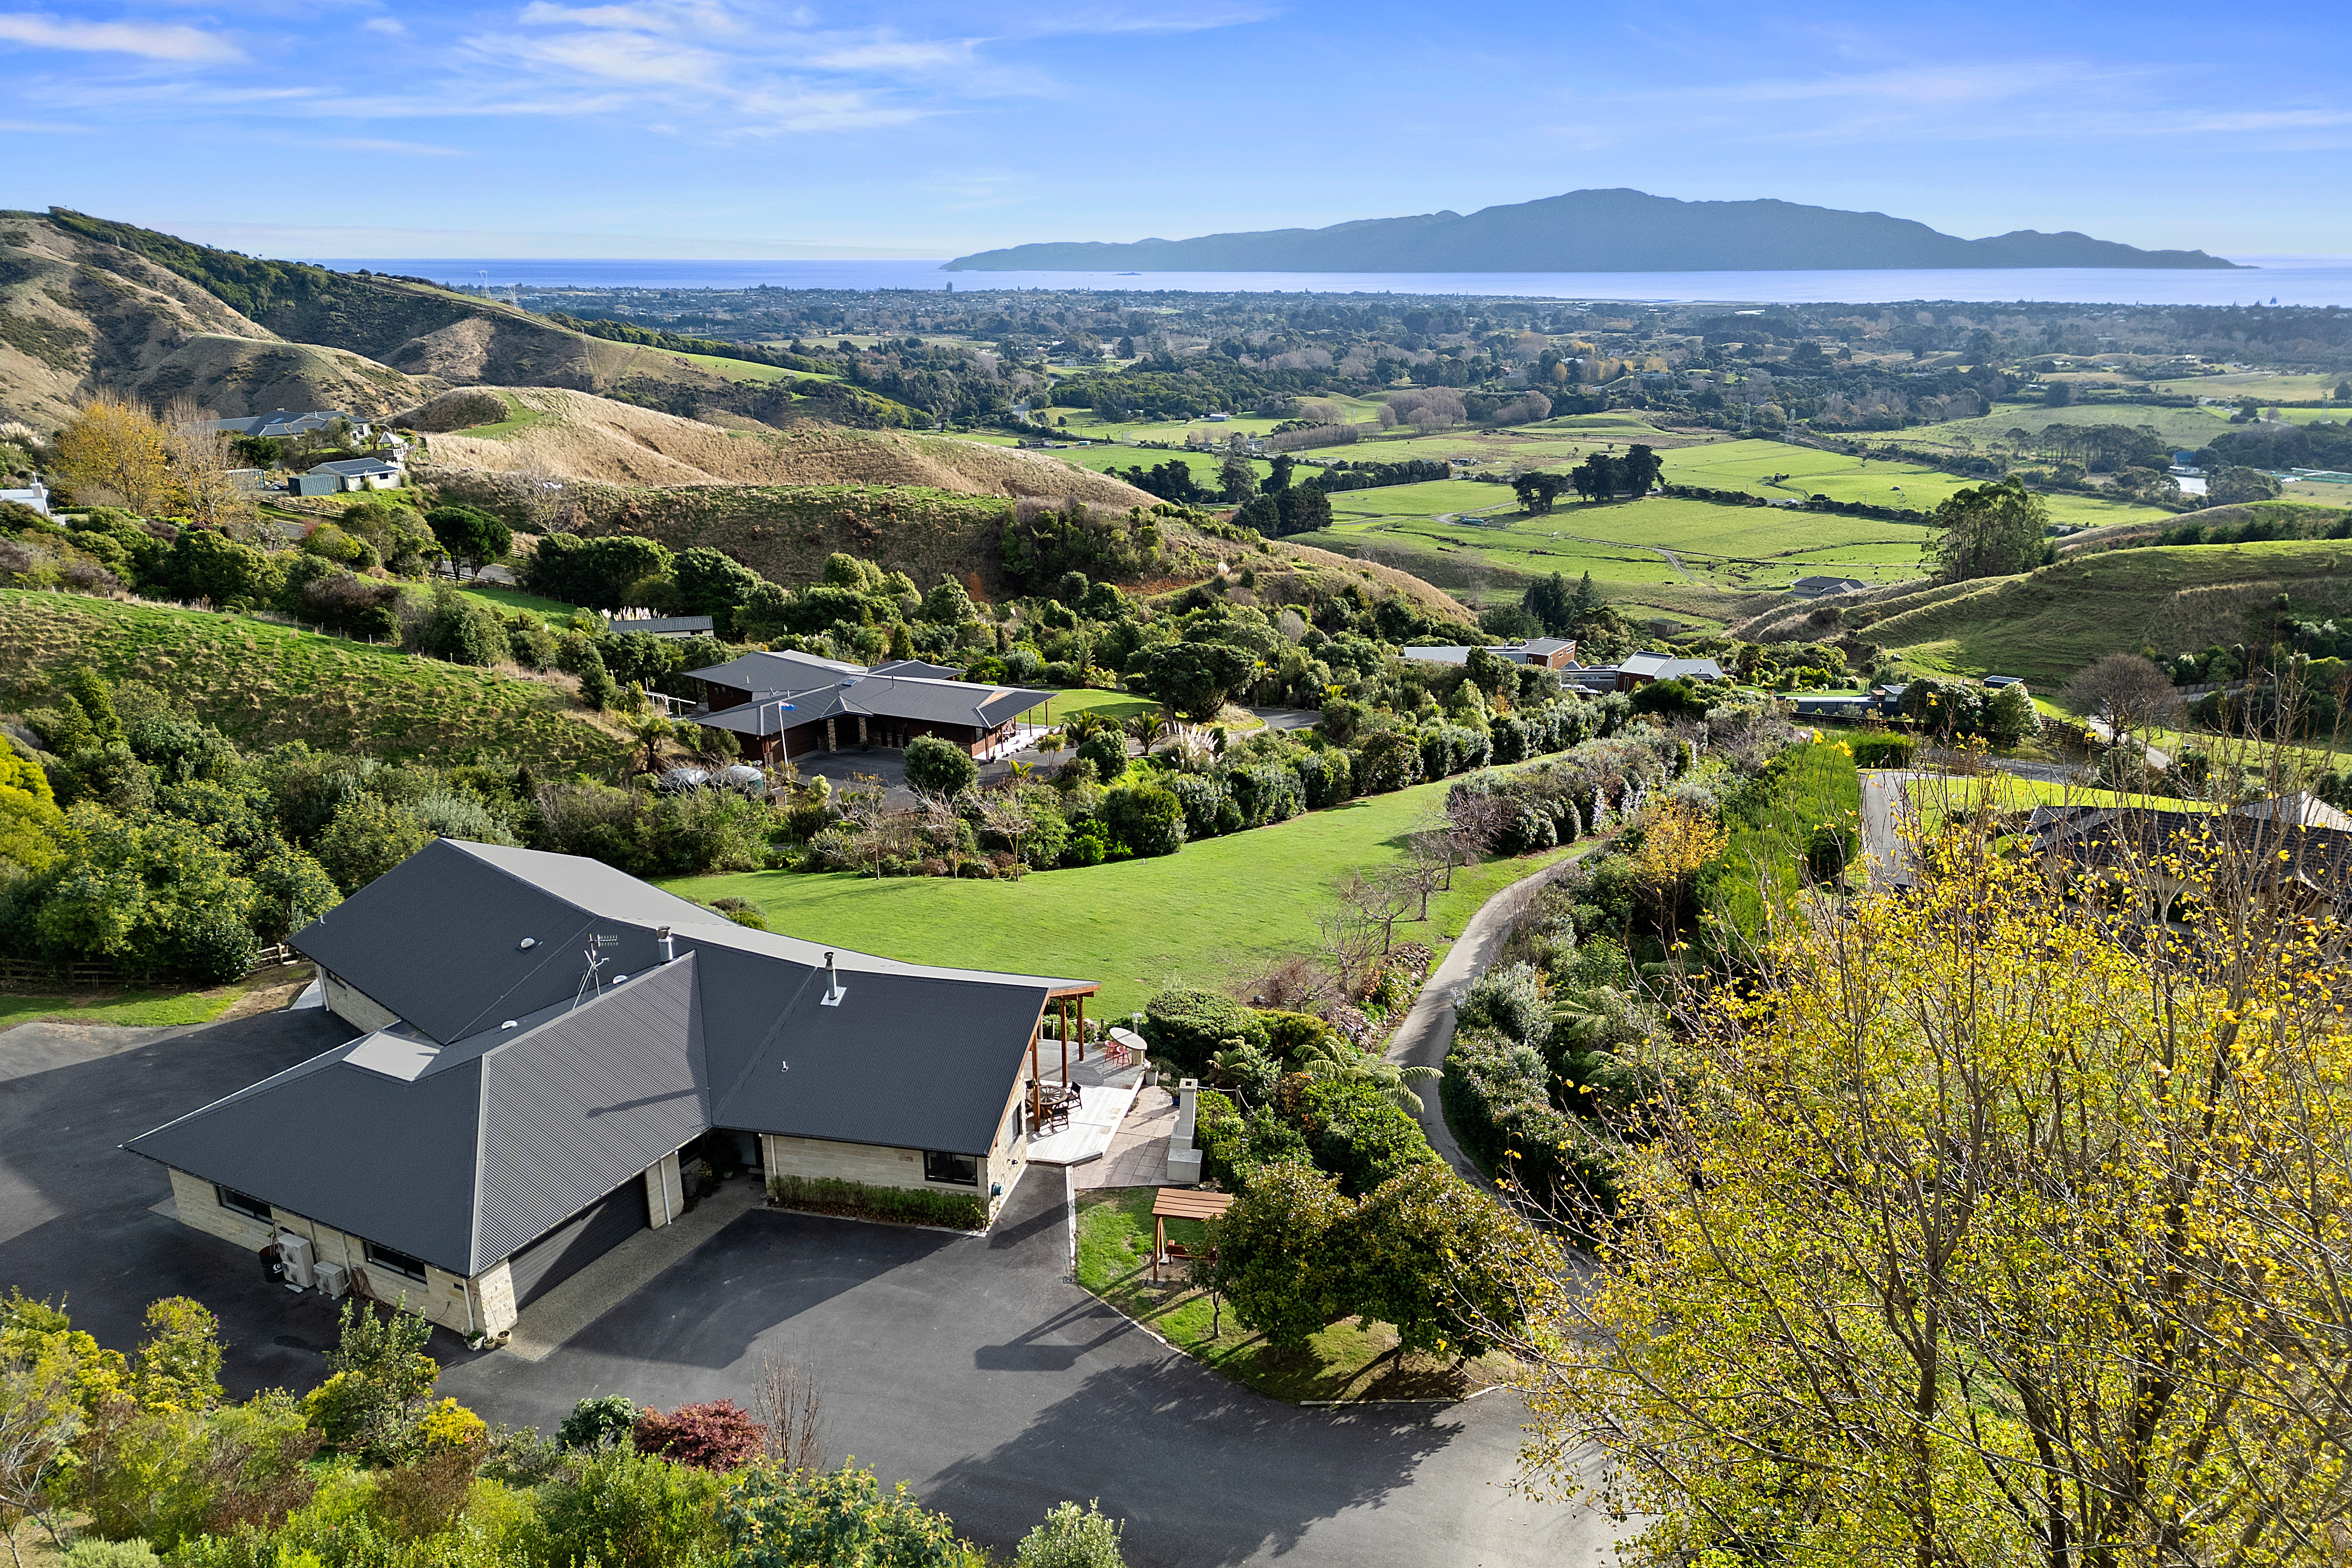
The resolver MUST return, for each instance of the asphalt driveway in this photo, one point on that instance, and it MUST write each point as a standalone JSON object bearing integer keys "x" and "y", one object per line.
{"x": 974, "y": 1369}
{"x": 970, "y": 1367}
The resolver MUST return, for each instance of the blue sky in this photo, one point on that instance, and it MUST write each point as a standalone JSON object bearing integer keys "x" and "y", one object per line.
{"x": 745, "y": 129}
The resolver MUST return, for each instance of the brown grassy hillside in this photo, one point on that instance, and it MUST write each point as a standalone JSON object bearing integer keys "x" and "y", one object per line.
{"x": 559, "y": 434}
{"x": 77, "y": 315}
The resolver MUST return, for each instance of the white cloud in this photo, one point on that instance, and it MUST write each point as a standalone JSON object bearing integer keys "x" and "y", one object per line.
{"x": 385, "y": 25}
{"x": 145, "y": 40}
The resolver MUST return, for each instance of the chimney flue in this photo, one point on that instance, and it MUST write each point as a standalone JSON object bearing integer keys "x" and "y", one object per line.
{"x": 834, "y": 992}
{"x": 669, "y": 947}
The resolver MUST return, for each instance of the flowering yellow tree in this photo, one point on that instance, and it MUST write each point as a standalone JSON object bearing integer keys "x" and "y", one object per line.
{"x": 111, "y": 453}
{"x": 1995, "y": 1225}
{"x": 1678, "y": 840}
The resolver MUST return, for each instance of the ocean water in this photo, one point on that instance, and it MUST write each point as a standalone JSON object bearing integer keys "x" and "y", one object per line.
{"x": 2282, "y": 279}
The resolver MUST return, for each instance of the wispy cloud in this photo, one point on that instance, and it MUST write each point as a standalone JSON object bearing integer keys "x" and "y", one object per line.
{"x": 146, "y": 40}
{"x": 385, "y": 24}
{"x": 402, "y": 149}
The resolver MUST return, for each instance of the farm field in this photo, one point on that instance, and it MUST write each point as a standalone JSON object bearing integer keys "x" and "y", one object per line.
{"x": 2260, "y": 385}
{"x": 516, "y": 599}
{"x": 1752, "y": 466}
{"x": 2184, "y": 429}
{"x": 1655, "y": 540}
{"x": 2047, "y": 625}
{"x": 263, "y": 683}
{"x": 1208, "y": 917}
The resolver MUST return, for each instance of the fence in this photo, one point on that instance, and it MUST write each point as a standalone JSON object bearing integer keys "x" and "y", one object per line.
{"x": 22, "y": 976}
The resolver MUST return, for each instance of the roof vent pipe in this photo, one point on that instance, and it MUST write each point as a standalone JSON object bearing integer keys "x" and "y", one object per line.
{"x": 833, "y": 991}
{"x": 669, "y": 947}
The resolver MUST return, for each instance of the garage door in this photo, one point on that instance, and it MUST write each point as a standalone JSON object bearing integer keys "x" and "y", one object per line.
{"x": 578, "y": 1241}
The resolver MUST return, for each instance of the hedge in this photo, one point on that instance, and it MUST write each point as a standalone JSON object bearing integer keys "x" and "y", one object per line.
{"x": 897, "y": 1205}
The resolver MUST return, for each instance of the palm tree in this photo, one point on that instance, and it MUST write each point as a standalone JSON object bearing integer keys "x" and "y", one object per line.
{"x": 1332, "y": 1061}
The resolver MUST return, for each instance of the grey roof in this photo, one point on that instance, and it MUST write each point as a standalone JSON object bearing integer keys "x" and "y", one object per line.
{"x": 355, "y": 467}
{"x": 459, "y": 1139}
{"x": 660, "y": 623}
{"x": 913, "y": 698}
{"x": 916, "y": 667}
{"x": 1667, "y": 666}
{"x": 773, "y": 672}
{"x": 278, "y": 422}
{"x": 437, "y": 939}
{"x": 487, "y": 1145}
{"x": 1828, "y": 586}
{"x": 1548, "y": 645}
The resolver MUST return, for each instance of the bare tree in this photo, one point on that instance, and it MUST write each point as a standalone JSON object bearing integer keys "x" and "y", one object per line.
{"x": 1006, "y": 814}
{"x": 2125, "y": 692}
{"x": 199, "y": 467}
{"x": 786, "y": 1403}
{"x": 39, "y": 1419}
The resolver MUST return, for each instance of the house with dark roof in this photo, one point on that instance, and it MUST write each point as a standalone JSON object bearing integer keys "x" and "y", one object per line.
{"x": 1827, "y": 587}
{"x": 1545, "y": 653}
{"x": 787, "y": 705}
{"x": 542, "y": 1037}
{"x": 667, "y": 625}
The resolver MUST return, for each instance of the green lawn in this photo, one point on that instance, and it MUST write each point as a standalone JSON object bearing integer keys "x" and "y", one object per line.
{"x": 1349, "y": 1361}
{"x": 143, "y": 1009}
{"x": 1940, "y": 796}
{"x": 518, "y": 420}
{"x": 516, "y": 599}
{"x": 1210, "y": 916}
{"x": 1073, "y": 701}
{"x": 263, "y": 683}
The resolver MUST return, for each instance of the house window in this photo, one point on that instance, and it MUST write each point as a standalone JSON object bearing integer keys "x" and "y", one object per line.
{"x": 244, "y": 1203}
{"x": 963, "y": 1170}
{"x": 398, "y": 1262}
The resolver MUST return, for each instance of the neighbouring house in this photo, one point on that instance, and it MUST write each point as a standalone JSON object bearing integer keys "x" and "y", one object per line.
{"x": 2296, "y": 850}
{"x": 667, "y": 625}
{"x": 346, "y": 474}
{"x": 544, "y": 1035}
{"x": 1638, "y": 669}
{"x": 1846, "y": 705}
{"x": 35, "y": 495}
{"x": 278, "y": 422}
{"x": 788, "y": 705}
{"x": 1546, "y": 653}
{"x": 1825, "y": 587}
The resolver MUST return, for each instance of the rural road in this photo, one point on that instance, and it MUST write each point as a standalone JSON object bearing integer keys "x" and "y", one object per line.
{"x": 1884, "y": 805}
{"x": 1428, "y": 1030}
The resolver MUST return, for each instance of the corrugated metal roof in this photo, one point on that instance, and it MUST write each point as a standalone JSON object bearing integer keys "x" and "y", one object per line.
{"x": 881, "y": 696}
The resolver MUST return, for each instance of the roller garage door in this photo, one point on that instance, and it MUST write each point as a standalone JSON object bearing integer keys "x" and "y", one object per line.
{"x": 578, "y": 1241}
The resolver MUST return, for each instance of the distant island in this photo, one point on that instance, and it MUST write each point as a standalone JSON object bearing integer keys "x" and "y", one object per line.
{"x": 1591, "y": 231}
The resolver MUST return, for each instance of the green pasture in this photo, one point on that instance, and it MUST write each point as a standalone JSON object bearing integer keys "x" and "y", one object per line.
{"x": 1206, "y": 466}
{"x": 516, "y": 599}
{"x": 518, "y": 420}
{"x": 1776, "y": 470}
{"x": 1937, "y": 796}
{"x": 742, "y": 369}
{"x": 1654, "y": 539}
{"x": 1210, "y": 917}
{"x": 2262, "y": 385}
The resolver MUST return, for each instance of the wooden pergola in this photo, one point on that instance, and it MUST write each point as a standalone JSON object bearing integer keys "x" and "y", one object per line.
{"x": 1061, "y": 1000}
{"x": 1180, "y": 1203}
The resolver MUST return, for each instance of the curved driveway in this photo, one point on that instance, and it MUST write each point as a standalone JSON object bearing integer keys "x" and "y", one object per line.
{"x": 972, "y": 1367}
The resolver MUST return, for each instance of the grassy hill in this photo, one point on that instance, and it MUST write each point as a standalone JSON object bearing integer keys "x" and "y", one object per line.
{"x": 263, "y": 684}
{"x": 2047, "y": 625}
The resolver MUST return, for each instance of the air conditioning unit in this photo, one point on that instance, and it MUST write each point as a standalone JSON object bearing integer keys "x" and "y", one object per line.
{"x": 334, "y": 1280}
{"x": 294, "y": 1252}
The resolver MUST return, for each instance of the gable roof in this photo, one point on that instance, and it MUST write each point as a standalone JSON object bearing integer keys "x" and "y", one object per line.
{"x": 354, "y": 467}
{"x": 912, "y": 697}
{"x": 439, "y": 938}
{"x": 1667, "y": 667}
{"x": 507, "y": 1101}
{"x": 476, "y": 1150}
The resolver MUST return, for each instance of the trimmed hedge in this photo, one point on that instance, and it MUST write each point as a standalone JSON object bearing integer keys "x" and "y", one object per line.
{"x": 896, "y": 1206}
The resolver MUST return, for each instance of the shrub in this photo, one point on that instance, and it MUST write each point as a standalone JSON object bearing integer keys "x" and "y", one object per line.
{"x": 1360, "y": 1136}
{"x": 1200, "y": 797}
{"x": 1388, "y": 761}
{"x": 743, "y": 912}
{"x": 1188, "y": 1027}
{"x": 940, "y": 766}
{"x": 90, "y": 1553}
{"x": 1106, "y": 750}
{"x": 1442, "y": 1262}
{"x": 718, "y": 1434}
{"x": 1273, "y": 1256}
{"x": 1072, "y": 1537}
{"x": 791, "y": 1518}
{"x": 593, "y": 1423}
{"x": 1887, "y": 750}
{"x": 898, "y": 1205}
{"x": 1148, "y": 820}
{"x": 618, "y": 1506}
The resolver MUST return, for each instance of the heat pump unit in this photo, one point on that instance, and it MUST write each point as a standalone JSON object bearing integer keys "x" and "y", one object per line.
{"x": 334, "y": 1279}
{"x": 294, "y": 1251}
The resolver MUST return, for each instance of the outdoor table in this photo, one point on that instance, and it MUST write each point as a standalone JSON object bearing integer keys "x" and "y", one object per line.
{"x": 1180, "y": 1203}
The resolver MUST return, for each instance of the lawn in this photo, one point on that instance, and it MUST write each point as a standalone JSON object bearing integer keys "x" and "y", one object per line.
{"x": 518, "y": 420}
{"x": 1211, "y": 916}
{"x": 1352, "y": 1360}
{"x": 1777, "y": 470}
{"x": 263, "y": 683}
{"x": 146, "y": 1009}
{"x": 1120, "y": 705}
{"x": 516, "y": 599}
{"x": 1935, "y": 798}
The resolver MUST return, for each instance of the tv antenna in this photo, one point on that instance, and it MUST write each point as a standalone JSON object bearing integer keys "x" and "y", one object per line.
{"x": 591, "y": 983}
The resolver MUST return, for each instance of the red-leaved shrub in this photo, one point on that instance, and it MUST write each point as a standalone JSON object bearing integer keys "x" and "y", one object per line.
{"x": 716, "y": 1436}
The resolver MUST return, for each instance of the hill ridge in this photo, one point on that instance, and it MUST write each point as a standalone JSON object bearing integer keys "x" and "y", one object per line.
{"x": 1618, "y": 230}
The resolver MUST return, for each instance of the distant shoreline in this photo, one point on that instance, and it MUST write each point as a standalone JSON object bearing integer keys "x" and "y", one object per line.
{"x": 2301, "y": 280}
